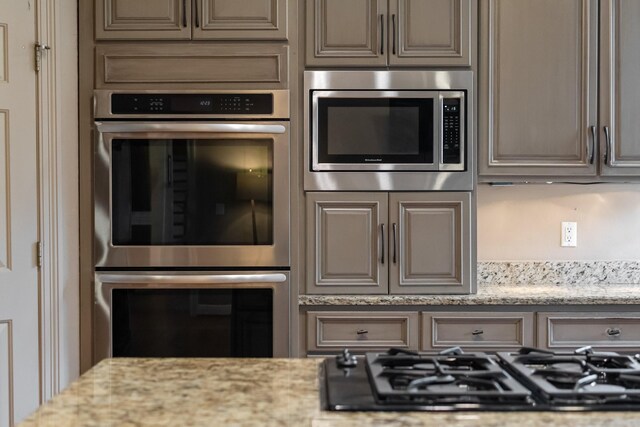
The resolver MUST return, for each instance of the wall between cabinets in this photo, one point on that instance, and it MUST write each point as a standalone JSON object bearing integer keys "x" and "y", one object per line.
{"x": 522, "y": 223}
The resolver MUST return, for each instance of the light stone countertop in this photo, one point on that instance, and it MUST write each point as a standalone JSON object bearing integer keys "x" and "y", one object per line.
{"x": 497, "y": 294}
{"x": 249, "y": 392}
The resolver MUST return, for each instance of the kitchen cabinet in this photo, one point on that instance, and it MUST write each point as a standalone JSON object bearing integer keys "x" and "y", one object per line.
{"x": 191, "y": 19}
{"x": 379, "y": 243}
{"x": 477, "y": 331}
{"x": 603, "y": 331}
{"x": 361, "y": 331}
{"x": 620, "y": 87}
{"x": 362, "y": 33}
{"x": 544, "y": 111}
{"x": 538, "y": 87}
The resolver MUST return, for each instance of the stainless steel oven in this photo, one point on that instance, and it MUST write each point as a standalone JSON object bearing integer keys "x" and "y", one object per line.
{"x": 388, "y": 130}
{"x": 191, "y": 314}
{"x": 191, "y": 179}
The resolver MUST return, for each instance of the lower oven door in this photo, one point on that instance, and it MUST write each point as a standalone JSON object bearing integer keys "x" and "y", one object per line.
{"x": 191, "y": 194}
{"x": 159, "y": 314}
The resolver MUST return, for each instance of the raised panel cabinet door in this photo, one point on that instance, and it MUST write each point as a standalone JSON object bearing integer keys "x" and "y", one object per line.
{"x": 346, "y": 239}
{"x": 538, "y": 88}
{"x": 240, "y": 20}
{"x": 620, "y": 87}
{"x": 143, "y": 19}
{"x": 346, "y": 32}
{"x": 430, "y": 243}
{"x": 430, "y": 32}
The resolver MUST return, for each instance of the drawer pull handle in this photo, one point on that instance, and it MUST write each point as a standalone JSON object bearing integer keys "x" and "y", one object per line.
{"x": 477, "y": 332}
{"x": 614, "y": 332}
{"x": 362, "y": 331}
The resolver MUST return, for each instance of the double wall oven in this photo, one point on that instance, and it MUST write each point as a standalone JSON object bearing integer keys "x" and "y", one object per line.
{"x": 191, "y": 217}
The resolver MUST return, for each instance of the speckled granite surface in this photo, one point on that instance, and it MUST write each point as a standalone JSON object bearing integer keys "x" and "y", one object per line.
{"x": 523, "y": 283}
{"x": 559, "y": 272}
{"x": 248, "y": 392}
{"x": 496, "y": 294}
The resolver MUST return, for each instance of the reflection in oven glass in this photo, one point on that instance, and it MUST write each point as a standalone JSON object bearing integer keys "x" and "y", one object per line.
{"x": 192, "y": 192}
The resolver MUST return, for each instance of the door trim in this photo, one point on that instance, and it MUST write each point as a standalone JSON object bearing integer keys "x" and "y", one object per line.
{"x": 58, "y": 196}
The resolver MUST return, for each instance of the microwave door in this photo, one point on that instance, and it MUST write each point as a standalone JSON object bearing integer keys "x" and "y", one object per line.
{"x": 375, "y": 130}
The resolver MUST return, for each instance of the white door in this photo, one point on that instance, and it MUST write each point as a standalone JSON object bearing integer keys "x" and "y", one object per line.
{"x": 19, "y": 350}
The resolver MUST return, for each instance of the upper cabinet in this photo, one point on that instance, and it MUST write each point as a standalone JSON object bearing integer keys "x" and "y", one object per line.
{"x": 620, "y": 87}
{"x": 544, "y": 110}
{"x": 538, "y": 87}
{"x": 191, "y": 19}
{"x": 354, "y": 33}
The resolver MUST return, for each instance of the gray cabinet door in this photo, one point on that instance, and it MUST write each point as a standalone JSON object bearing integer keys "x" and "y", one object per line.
{"x": 620, "y": 87}
{"x": 346, "y": 240}
{"x": 430, "y": 32}
{"x": 346, "y": 32}
{"x": 240, "y": 20}
{"x": 538, "y": 87}
{"x": 143, "y": 19}
{"x": 430, "y": 243}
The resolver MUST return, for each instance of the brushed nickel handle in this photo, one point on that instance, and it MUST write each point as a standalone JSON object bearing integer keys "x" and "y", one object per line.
{"x": 591, "y": 148}
{"x": 382, "y": 34}
{"x": 393, "y": 33}
{"x": 362, "y": 331}
{"x": 395, "y": 232}
{"x": 184, "y": 13}
{"x": 609, "y": 153}
{"x": 614, "y": 332}
{"x": 382, "y": 238}
{"x": 197, "y": 14}
{"x": 477, "y": 332}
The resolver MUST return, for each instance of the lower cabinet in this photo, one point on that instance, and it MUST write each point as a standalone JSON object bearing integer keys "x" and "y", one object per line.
{"x": 361, "y": 331}
{"x": 477, "y": 331}
{"x": 398, "y": 243}
{"x": 503, "y": 329}
{"x": 603, "y": 331}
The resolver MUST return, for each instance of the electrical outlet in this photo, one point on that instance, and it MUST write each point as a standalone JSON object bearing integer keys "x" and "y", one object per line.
{"x": 569, "y": 234}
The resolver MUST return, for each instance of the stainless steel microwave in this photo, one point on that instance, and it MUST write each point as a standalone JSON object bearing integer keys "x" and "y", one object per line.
{"x": 388, "y": 130}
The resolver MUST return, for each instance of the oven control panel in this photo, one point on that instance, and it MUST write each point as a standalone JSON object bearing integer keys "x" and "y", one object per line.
{"x": 190, "y": 103}
{"x": 451, "y": 130}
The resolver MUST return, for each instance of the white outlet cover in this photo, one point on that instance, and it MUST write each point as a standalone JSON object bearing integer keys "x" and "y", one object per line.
{"x": 569, "y": 237}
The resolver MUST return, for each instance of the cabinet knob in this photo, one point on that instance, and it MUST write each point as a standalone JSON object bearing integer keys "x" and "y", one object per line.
{"x": 362, "y": 331}
{"x": 477, "y": 332}
{"x": 614, "y": 332}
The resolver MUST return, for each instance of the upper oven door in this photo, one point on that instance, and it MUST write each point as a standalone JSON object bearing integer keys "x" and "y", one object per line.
{"x": 174, "y": 194}
{"x": 375, "y": 130}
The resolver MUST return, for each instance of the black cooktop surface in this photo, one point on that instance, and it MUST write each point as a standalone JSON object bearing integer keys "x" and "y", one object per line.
{"x": 526, "y": 380}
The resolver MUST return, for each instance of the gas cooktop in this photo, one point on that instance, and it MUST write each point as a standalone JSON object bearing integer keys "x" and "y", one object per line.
{"x": 529, "y": 379}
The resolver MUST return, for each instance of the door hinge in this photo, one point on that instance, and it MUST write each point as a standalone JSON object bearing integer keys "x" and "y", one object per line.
{"x": 39, "y": 254}
{"x": 38, "y": 49}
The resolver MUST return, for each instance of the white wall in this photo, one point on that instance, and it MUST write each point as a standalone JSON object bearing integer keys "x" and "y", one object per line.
{"x": 522, "y": 222}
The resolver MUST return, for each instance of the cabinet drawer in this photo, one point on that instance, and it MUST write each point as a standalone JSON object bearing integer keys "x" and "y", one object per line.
{"x": 361, "y": 330}
{"x": 493, "y": 331}
{"x": 602, "y": 330}
{"x": 146, "y": 66}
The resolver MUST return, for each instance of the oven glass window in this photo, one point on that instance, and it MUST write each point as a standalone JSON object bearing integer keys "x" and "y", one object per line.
{"x": 192, "y": 322}
{"x": 377, "y": 130}
{"x": 192, "y": 192}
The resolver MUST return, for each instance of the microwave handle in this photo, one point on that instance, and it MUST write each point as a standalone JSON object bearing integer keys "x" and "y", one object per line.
{"x": 189, "y": 127}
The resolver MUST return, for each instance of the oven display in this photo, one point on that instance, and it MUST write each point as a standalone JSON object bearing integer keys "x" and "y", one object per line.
{"x": 240, "y": 104}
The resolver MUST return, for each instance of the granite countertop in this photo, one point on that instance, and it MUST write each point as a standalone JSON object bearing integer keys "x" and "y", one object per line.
{"x": 498, "y": 294}
{"x": 248, "y": 392}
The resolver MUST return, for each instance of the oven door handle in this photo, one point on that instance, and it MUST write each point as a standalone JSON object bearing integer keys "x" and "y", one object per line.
{"x": 192, "y": 279}
{"x": 190, "y": 127}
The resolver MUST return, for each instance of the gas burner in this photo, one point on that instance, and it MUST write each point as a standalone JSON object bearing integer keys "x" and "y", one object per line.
{"x": 529, "y": 379}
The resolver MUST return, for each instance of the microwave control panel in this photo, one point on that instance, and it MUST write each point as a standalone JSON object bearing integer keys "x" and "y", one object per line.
{"x": 183, "y": 103}
{"x": 451, "y": 131}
